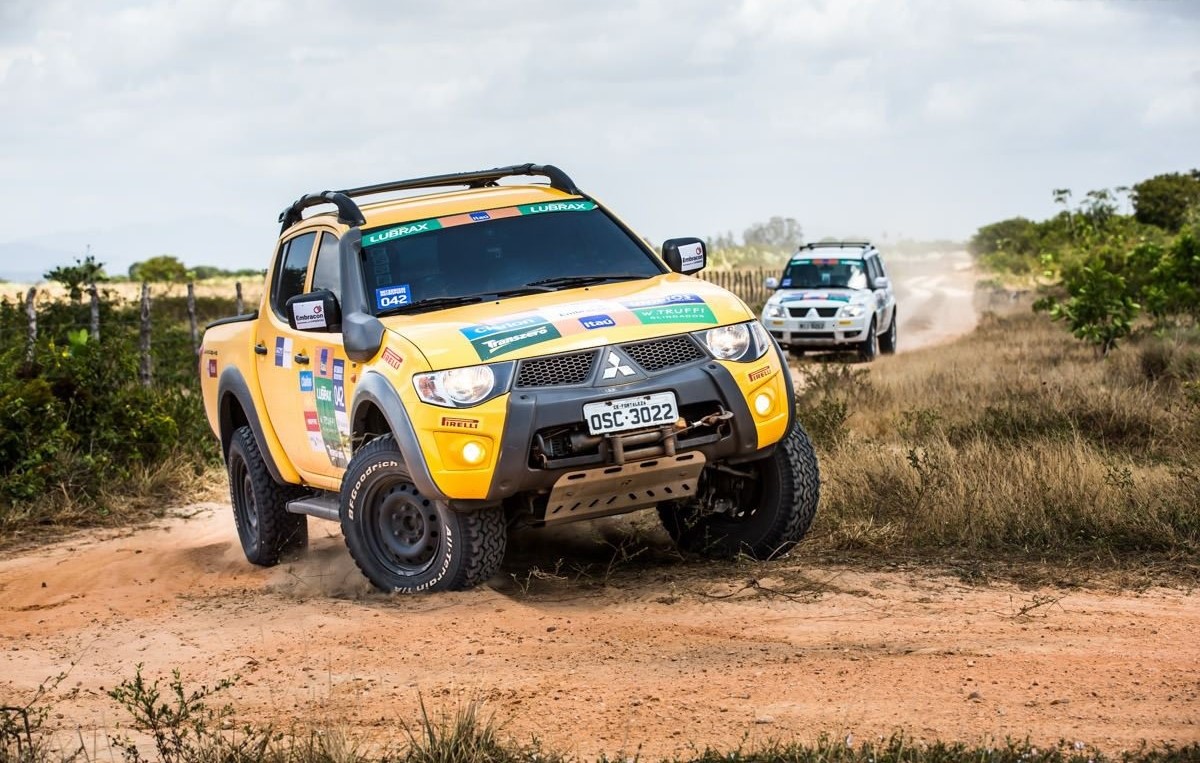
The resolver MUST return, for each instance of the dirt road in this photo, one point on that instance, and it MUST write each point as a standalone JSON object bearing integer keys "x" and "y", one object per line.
{"x": 607, "y": 654}
{"x": 935, "y": 297}
{"x": 599, "y": 638}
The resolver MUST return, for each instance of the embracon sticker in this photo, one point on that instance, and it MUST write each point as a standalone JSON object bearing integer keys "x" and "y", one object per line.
{"x": 309, "y": 315}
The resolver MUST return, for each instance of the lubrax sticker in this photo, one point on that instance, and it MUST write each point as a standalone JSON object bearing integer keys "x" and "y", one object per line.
{"x": 400, "y": 231}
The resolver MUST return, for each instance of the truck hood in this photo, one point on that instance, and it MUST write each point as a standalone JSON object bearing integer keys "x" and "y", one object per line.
{"x": 821, "y": 297}
{"x": 568, "y": 320}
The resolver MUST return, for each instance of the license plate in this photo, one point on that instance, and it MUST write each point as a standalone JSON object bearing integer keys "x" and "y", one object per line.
{"x": 812, "y": 325}
{"x": 631, "y": 413}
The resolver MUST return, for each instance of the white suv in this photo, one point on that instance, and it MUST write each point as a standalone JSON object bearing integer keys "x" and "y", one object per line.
{"x": 833, "y": 296}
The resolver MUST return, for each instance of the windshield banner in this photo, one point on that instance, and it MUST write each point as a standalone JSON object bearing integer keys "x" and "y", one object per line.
{"x": 384, "y": 235}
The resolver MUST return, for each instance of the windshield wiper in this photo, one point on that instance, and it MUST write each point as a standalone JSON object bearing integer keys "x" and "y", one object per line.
{"x": 567, "y": 281}
{"x": 432, "y": 303}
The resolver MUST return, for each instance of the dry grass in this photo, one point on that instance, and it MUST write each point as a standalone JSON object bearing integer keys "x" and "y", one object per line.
{"x": 148, "y": 492}
{"x": 221, "y": 288}
{"x": 1014, "y": 441}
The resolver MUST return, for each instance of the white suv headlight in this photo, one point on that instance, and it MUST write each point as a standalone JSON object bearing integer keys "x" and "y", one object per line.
{"x": 742, "y": 341}
{"x": 775, "y": 311}
{"x": 463, "y": 387}
{"x": 853, "y": 311}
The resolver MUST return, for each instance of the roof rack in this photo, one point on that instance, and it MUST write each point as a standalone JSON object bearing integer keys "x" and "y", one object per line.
{"x": 816, "y": 244}
{"x": 350, "y": 214}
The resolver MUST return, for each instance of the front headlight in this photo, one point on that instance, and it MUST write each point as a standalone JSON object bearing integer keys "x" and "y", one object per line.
{"x": 463, "y": 387}
{"x": 774, "y": 311}
{"x": 853, "y": 311}
{"x": 728, "y": 342}
{"x": 743, "y": 342}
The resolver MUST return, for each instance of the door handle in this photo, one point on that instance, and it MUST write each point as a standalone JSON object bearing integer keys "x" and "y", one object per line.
{"x": 301, "y": 358}
{"x": 260, "y": 348}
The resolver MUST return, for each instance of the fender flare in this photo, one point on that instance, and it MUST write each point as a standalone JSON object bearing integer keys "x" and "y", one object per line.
{"x": 233, "y": 385}
{"x": 374, "y": 389}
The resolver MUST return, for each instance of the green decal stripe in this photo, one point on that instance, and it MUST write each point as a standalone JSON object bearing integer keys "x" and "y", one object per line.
{"x": 490, "y": 346}
{"x": 400, "y": 231}
{"x": 556, "y": 206}
{"x": 676, "y": 314}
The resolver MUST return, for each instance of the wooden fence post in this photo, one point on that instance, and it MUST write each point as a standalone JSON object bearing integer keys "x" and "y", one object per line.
{"x": 238, "y": 302}
{"x": 95, "y": 298}
{"x": 144, "y": 369}
{"x": 31, "y": 338}
{"x": 191, "y": 310}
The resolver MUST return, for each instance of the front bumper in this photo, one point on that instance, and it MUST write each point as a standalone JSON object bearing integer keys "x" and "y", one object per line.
{"x": 818, "y": 332}
{"x": 535, "y": 435}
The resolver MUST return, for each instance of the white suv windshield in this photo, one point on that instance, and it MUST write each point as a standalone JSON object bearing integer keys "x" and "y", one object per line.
{"x": 824, "y": 273}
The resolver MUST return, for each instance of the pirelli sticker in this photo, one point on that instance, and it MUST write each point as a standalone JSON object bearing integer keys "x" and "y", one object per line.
{"x": 759, "y": 373}
{"x": 453, "y": 422}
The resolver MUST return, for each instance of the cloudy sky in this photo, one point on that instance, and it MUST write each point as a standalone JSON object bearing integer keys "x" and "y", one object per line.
{"x": 184, "y": 126}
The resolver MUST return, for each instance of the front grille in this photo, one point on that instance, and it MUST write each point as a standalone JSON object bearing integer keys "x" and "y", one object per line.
{"x": 659, "y": 354}
{"x": 802, "y": 312}
{"x": 556, "y": 370}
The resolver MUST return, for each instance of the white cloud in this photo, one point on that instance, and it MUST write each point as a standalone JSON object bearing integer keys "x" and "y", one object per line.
{"x": 914, "y": 116}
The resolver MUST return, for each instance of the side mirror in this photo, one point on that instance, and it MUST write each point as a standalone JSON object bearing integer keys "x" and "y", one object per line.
{"x": 315, "y": 311}
{"x": 771, "y": 282}
{"x": 882, "y": 282}
{"x": 685, "y": 255}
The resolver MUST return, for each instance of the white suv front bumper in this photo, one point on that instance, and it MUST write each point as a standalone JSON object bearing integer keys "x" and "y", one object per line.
{"x": 818, "y": 332}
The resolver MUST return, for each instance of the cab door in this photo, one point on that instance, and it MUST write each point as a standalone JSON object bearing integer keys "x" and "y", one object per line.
{"x": 885, "y": 299}
{"x": 304, "y": 375}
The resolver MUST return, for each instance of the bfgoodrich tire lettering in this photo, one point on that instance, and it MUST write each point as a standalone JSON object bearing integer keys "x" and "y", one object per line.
{"x": 768, "y": 520}
{"x": 265, "y": 527}
{"x": 406, "y": 542}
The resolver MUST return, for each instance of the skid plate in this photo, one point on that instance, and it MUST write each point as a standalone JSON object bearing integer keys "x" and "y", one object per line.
{"x": 617, "y": 489}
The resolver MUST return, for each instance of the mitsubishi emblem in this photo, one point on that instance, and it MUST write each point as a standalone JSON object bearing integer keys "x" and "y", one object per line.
{"x": 615, "y": 366}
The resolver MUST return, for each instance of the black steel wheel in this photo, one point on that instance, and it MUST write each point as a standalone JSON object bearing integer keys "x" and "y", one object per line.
{"x": 761, "y": 509}
{"x": 406, "y": 542}
{"x": 265, "y": 527}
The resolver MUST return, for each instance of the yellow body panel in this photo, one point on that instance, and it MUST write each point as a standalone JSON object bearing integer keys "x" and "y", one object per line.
{"x": 286, "y": 401}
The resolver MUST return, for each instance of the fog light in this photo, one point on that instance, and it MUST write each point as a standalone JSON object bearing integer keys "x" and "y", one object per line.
{"x": 763, "y": 404}
{"x": 473, "y": 452}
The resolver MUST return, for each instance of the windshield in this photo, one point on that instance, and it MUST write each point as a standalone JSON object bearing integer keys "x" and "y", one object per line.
{"x": 810, "y": 273}
{"x": 522, "y": 249}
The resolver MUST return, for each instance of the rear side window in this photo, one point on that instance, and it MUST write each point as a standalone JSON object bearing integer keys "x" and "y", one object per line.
{"x": 327, "y": 273}
{"x": 292, "y": 270}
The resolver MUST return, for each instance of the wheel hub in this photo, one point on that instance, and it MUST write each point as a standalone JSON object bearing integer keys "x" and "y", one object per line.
{"x": 407, "y": 528}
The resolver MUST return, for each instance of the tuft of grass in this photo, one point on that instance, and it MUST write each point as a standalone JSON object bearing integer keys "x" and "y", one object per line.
{"x": 1014, "y": 442}
{"x": 183, "y": 727}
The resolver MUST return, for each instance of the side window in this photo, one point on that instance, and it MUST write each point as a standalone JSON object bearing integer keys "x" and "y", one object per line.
{"x": 327, "y": 273}
{"x": 873, "y": 269}
{"x": 291, "y": 271}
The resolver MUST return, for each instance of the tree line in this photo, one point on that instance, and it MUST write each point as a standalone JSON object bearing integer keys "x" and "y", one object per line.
{"x": 1110, "y": 259}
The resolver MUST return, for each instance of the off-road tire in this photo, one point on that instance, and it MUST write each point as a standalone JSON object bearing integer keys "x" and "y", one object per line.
{"x": 782, "y": 512}
{"x": 868, "y": 349}
{"x": 887, "y": 342}
{"x": 405, "y": 542}
{"x": 265, "y": 527}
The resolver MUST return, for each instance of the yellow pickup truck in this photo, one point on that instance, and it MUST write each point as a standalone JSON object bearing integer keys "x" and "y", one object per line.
{"x": 432, "y": 370}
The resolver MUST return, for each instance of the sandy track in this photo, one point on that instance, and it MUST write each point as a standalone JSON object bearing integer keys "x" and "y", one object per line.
{"x": 661, "y": 651}
{"x": 607, "y": 655}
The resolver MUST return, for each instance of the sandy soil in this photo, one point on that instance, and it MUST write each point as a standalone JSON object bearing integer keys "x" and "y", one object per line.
{"x": 935, "y": 298}
{"x": 599, "y": 638}
{"x": 608, "y": 653}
